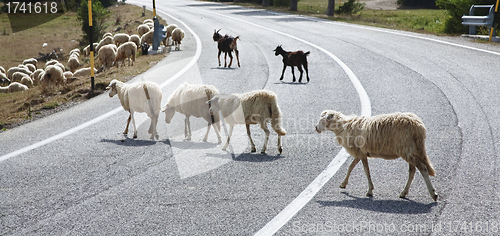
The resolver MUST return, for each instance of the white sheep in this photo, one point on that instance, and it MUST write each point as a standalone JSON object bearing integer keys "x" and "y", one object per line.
{"x": 256, "y": 107}
{"x": 170, "y": 29}
{"x": 105, "y": 41}
{"x": 142, "y": 29}
{"x": 75, "y": 52}
{"x": 147, "y": 37}
{"x": 17, "y": 76}
{"x": 387, "y": 136}
{"x": 68, "y": 74}
{"x": 3, "y": 70}
{"x": 86, "y": 50}
{"x": 126, "y": 51}
{"x": 177, "y": 36}
{"x": 191, "y": 100}
{"x": 26, "y": 80}
{"x": 35, "y": 77}
{"x": 3, "y": 79}
{"x": 32, "y": 61}
{"x": 107, "y": 55}
{"x": 148, "y": 21}
{"x": 53, "y": 76}
{"x": 136, "y": 39}
{"x": 31, "y": 67}
{"x": 73, "y": 63}
{"x": 14, "y": 87}
{"x": 139, "y": 97}
{"x": 13, "y": 70}
{"x": 83, "y": 72}
{"x": 121, "y": 38}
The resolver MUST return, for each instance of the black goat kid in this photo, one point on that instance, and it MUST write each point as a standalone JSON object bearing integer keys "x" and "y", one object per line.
{"x": 298, "y": 59}
{"x": 226, "y": 44}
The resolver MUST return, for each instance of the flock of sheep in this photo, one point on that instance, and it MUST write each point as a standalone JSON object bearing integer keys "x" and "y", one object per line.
{"x": 111, "y": 50}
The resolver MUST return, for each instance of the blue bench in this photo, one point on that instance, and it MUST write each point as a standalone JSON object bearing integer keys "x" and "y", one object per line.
{"x": 472, "y": 21}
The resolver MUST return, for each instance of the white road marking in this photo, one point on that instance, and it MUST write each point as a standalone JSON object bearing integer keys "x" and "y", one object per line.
{"x": 114, "y": 111}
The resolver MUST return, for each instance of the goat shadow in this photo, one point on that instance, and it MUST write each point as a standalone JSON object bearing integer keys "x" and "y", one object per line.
{"x": 403, "y": 206}
{"x": 128, "y": 142}
{"x": 257, "y": 157}
{"x": 291, "y": 83}
{"x": 187, "y": 144}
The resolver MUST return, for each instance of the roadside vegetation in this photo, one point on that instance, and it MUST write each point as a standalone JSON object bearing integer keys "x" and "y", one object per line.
{"x": 64, "y": 33}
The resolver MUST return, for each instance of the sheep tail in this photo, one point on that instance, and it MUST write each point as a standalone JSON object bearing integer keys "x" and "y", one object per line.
{"x": 430, "y": 167}
{"x": 276, "y": 118}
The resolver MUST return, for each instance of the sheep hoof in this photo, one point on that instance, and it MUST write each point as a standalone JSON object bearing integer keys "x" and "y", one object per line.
{"x": 281, "y": 78}
{"x": 342, "y": 186}
{"x": 253, "y": 149}
{"x": 280, "y": 150}
{"x": 435, "y": 197}
{"x": 204, "y": 140}
{"x": 219, "y": 142}
{"x": 369, "y": 194}
{"x": 135, "y": 136}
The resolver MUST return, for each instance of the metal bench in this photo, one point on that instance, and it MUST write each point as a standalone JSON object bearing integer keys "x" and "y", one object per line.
{"x": 472, "y": 21}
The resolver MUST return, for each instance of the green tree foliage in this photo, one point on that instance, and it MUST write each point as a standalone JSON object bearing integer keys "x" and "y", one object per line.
{"x": 351, "y": 7}
{"x": 418, "y": 3}
{"x": 99, "y": 13}
{"x": 455, "y": 9}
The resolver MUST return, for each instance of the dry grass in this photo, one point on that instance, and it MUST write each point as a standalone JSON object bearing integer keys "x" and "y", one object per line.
{"x": 21, "y": 107}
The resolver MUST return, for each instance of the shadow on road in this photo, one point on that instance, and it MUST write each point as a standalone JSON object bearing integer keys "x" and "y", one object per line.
{"x": 131, "y": 142}
{"x": 256, "y": 157}
{"x": 402, "y": 206}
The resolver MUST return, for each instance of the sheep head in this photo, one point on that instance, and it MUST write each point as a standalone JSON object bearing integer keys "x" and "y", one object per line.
{"x": 216, "y": 35}
{"x": 214, "y": 105}
{"x": 169, "y": 113}
{"x": 278, "y": 50}
{"x": 329, "y": 121}
{"x": 112, "y": 88}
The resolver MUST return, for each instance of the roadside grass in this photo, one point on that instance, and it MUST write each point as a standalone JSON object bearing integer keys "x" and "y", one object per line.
{"x": 63, "y": 32}
{"x": 429, "y": 21}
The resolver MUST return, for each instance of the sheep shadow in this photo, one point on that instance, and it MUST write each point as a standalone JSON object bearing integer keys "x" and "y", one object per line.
{"x": 256, "y": 157}
{"x": 185, "y": 144}
{"x": 223, "y": 68}
{"x": 128, "y": 142}
{"x": 403, "y": 206}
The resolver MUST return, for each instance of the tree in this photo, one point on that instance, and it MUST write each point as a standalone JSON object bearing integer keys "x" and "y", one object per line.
{"x": 293, "y": 5}
{"x": 265, "y": 3}
{"x": 99, "y": 14}
{"x": 331, "y": 7}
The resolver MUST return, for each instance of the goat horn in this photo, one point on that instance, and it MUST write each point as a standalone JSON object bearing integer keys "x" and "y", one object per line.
{"x": 218, "y": 30}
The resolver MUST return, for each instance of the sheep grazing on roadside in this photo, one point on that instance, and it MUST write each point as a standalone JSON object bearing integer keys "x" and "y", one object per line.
{"x": 3, "y": 79}
{"x": 75, "y": 52}
{"x": 83, "y": 72}
{"x": 147, "y": 37}
{"x": 107, "y": 55}
{"x": 177, "y": 36}
{"x": 139, "y": 97}
{"x": 105, "y": 41}
{"x": 86, "y": 50}
{"x": 14, "y": 87}
{"x": 191, "y": 100}
{"x": 126, "y": 51}
{"x": 55, "y": 63}
{"x": 17, "y": 76}
{"x": 256, "y": 107}
{"x": 73, "y": 63}
{"x": 226, "y": 44}
{"x": 26, "y": 80}
{"x": 121, "y": 38}
{"x": 107, "y": 34}
{"x": 298, "y": 59}
{"x": 136, "y": 39}
{"x": 148, "y": 21}
{"x": 35, "y": 77}
{"x": 53, "y": 76}
{"x": 68, "y": 74}
{"x": 32, "y": 61}
{"x": 387, "y": 136}
{"x": 142, "y": 29}
{"x": 170, "y": 28}
{"x": 2, "y": 70}
{"x": 31, "y": 67}
{"x": 13, "y": 70}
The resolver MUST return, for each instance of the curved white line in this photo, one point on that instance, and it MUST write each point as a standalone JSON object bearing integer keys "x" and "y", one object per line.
{"x": 114, "y": 111}
{"x": 313, "y": 188}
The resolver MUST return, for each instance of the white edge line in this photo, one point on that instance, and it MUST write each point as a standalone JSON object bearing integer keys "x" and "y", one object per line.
{"x": 114, "y": 111}
{"x": 305, "y": 196}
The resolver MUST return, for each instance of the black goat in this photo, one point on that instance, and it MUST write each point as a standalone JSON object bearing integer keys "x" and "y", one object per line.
{"x": 226, "y": 44}
{"x": 298, "y": 59}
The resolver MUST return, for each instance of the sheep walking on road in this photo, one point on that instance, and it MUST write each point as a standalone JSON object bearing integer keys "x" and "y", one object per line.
{"x": 177, "y": 36}
{"x": 256, "y": 107}
{"x": 138, "y": 97}
{"x": 292, "y": 59}
{"x": 191, "y": 100}
{"x": 386, "y": 136}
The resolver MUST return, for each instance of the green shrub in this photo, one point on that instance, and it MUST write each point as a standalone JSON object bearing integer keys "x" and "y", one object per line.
{"x": 351, "y": 7}
{"x": 455, "y": 9}
{"x": 99, "y": 14}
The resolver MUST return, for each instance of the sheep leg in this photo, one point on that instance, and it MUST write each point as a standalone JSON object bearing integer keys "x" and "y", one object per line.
{"x": 237, "y": 56}
{"x": 217, "y": 131}
{"x": 263, "y": 126}
{"x": 280, "y": 149}
{"x": 367, "y": 172}
{"x": 349, "y": 170}
{"x": 301, "y": 72}
{"x": 283, "y": 72}
{"x": 128, "y": 122}
{"x": 208, "y": 131}
{"x": 293, "y": 73}
{"x": 187, "y": 128}
{"x": 228, "y": 137}
{"x": 152, "y": 127}
{"x": 133, "y": 123}
{"x": 431, "y": 189}
{"x": 225, "y": 59}
{"x": 411, "y": 174}
{"x": 218, "y": 56}
{"x": 250, "y": 137}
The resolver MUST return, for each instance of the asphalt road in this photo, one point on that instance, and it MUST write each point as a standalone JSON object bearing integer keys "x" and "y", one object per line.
{"x": 74, "y": 173}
